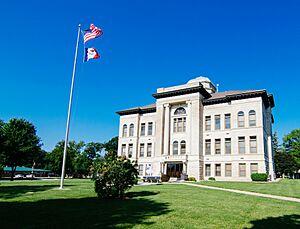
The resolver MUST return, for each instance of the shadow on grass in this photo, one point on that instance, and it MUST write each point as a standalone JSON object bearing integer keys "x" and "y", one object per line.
{"x": 286, "y": 221}
{"x": 82, "y": 213}
{"x": 8, "y": 192}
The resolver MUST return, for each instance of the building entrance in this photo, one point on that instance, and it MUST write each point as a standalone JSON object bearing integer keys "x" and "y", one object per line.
{"x": 174, "y": 169}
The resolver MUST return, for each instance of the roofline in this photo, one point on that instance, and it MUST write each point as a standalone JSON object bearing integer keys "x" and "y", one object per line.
{"x": 267, "y": 99}
{"x": 138, "y": 110}
{"x": 183, "y": 91}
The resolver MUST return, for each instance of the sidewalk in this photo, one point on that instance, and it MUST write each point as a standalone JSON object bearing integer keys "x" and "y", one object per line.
{"x": 246, "y": 192}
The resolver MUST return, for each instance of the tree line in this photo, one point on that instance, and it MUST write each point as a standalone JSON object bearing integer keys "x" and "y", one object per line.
{"x": 20, "y": 146}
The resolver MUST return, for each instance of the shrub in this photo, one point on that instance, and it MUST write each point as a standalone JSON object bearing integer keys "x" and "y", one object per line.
{"x": 114, "y": 175}
{"x": 164, "y": 178}
{"x": 211, "y": 178}
{"x": 259, "y": 177}
{"x": 191, "y": 179}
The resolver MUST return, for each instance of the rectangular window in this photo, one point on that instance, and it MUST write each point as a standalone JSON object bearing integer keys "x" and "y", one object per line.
{"x": 150, "y": 128}
{"x": 207, "y": 170}
{"x": 179, "y": 125}
{"x": 253, "y": 144}
{"x": 217, "y": 122}
{"x": 207, "y": 123}
{"x": 123, "y": 150}
{"x": 218, "y": 170}
{"x": 242, "y": 149}
{"x": 217, "y": 146}
{"x": 130, "y": 150}
{"x": 207, "y": 146}
{"x": 141, "y": 170}
{"x": 227, "y": 121}
{"x": 227, "y": 170}
{"x": 142, "y": 150}
{"x": 227, "y": 145}
{"x": 149, "y": 149}
{"x": 175, "y": 125}
{"x": 184, "y": 124}
{"x": 242, "y": 169}
{"x": 143, "y": 129}
{"x": 254, "y": 168}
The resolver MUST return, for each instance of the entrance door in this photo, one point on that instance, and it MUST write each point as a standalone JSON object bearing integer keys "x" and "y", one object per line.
{"x": 174, "y": 169}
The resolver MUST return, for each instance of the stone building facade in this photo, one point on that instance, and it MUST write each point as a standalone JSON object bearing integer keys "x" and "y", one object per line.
{"x": 194, "y": 131}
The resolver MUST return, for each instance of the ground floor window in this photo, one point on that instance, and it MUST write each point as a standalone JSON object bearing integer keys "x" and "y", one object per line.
{"x": 254, "y": 168}
{"x": 218, "y": 170}
{"x": 228, "y": 170}
{"x": 242, "y": 169}
{"x": 207, "y": 170}
{"x": 141, "y": 170}
{"x": 130, "y": 150}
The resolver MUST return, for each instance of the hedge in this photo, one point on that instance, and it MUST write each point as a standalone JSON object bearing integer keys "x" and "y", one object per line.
{"x": 259, "y": 177}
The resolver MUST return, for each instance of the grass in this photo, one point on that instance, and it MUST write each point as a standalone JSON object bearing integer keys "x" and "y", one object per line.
{"x": 37, "y": 204}
{"x": 285, "y": 187}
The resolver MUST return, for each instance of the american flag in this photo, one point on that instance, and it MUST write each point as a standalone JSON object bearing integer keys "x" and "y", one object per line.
{"x": 91, "y": 33}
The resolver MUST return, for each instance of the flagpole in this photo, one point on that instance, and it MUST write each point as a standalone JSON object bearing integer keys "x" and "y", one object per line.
{"x": 69, "y": 114}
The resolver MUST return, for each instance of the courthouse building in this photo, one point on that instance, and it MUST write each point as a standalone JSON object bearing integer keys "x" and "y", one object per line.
{"x": 194, "y": 131}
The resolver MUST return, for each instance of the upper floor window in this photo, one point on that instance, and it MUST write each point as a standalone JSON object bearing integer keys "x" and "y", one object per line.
{"x": 242, "y": 149}
{"x": 124, "y": 132}
{"x": 252, "y": 118}
{"x": 253, "y": 144}
{"x": 131, "y": 129}
{"x": 207, "y": 123}
{"x": 217, "y": 122}
{"x": 150, "y": 128}
{"x": 142, "y": 149}
{"x": 207, "y": 146}
{"x": 149, "y": 149}
{"x": 227, "y": 145}
{"x": 179, "y": 125}
{"x": 175, "y": 148}
{"x": 130, "y": 150}
{"x": 143, "y": 129}
{"x": 123, "y": 150}
{"x": 241, "y": 119}
{"x": 227, "y": 121}
{"x": 217, "y": 146}
{"x": 180, "y": 111}
{"x": 182, "y": 147}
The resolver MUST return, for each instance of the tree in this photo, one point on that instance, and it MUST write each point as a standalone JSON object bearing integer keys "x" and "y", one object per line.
{"x": 114, "y": 175}
{"x": 291, "y": 144}
{"x": 285, "y": 163}
{"x": 111, "y": 145}
{"x": 2, "y": 154}
{"x": 275, "y": 143}
{"x": 19, "y": 143}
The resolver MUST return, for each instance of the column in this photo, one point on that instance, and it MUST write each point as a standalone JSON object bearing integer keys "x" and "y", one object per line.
{"x": 188, "y": 127}
{"x": 271, "y": 161}
{"x": 167, "y": 130}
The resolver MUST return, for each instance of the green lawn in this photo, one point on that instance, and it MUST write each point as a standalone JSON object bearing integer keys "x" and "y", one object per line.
{"x": 285, "y": 187}
{"x": 36, "y": 204}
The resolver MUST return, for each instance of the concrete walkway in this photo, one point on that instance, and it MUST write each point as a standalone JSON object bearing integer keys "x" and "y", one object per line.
{"x": 246, "y": 192}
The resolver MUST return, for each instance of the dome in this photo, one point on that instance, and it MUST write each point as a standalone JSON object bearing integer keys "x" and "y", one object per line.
{"x": 199, "y": 79}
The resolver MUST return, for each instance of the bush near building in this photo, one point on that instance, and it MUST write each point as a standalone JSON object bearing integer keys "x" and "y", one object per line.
{"x": 259, "y": 177}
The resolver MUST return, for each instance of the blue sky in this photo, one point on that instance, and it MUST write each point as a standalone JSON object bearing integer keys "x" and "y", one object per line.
{"x": 145, "y": 45}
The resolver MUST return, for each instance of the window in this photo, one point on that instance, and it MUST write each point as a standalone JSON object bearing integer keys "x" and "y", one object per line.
{"x": 207, "y": 170}
{"x": 124, "y": 134}
{"x": 227, "y": 145}
{"x": 131, "y": 129}
{"x": 207, "y": 123}
{"x": 150, "y": 128}
{"x": 179, "y": 125}
{"x": 141, "y": 170}
{"x": 207, "y": 146}
{"x": 227, "y": 121}
{"x": 241, "y": 119}
{"x": 253, "y": 144}
{"x": 130, "y": 150}
{"x": 252, "y": 118}
{"x": 143, "y": 129}
{"x": 142, "y": 150}
{"x": 180, "y": 111}
{"x": 217, "y": 122}
{"x": 175, "y": 148}
{"x": 227, "y": 170}
{"x": 149, "y": 149}
{"x": 218, "y": 170}
{"x": 123, "y": 150}
{"x": 242, "y": 145}
{"x": 182, "y": 147}
{"x": 217, "y": 146}
{"x": 242, "y": 169}
{"x": 253, "y": 168}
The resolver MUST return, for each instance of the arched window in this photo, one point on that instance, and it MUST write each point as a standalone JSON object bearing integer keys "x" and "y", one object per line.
{"x": 175, "y": 148}
{"x": 241, "y": 119}
{"x": 182, "y": 147}
{"x": 131, "y": 128}
{"x": 179, "y": 111}
{"x": 124, "y": 133}
{"x": 252, "y": 118}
